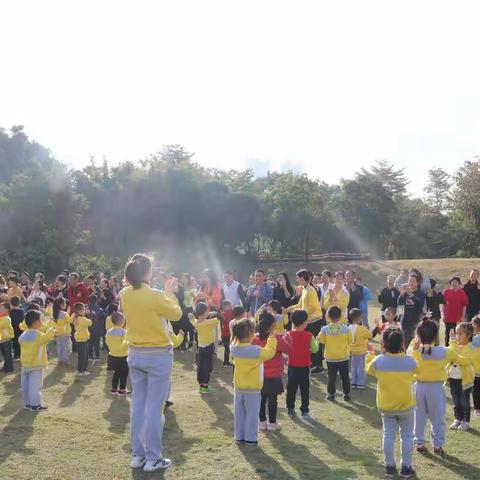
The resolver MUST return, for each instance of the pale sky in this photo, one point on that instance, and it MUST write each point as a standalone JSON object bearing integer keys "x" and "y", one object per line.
{"x": 321, "y": 87}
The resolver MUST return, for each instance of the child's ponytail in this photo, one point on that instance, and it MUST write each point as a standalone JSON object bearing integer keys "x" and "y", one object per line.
{"x": 242, "y": 329}
{"x": 427, "y": 331}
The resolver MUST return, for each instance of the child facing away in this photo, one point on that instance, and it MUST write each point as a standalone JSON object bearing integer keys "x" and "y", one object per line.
{"x": 33, "y": 360}
{"x": 97, "y": 316}
{"x": 248, "y": 379}
{"x": 63, "y": 330}
{"x": 476, "y": 365}
{"x": 358, "y": 348}
{"x": 395, "y": 372}
{"x": 274, "y": 308}
{"x": 17, "y": 315}
{"x": 337, "y": 338}
{"x": 116, "y": 339}
{"x": 6, "y": 337}
{"x": 303, "y": 344}
{"x": 461, "y": 375}
{"x": 82, "y": 335}
{"x": 227, "y": 314}
{"x": 206, "y": 331}
{"x": 272, "y": 371}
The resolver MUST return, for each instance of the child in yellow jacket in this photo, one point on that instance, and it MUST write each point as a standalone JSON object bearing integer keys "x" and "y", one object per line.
{"x": 82, "y": 335}
{"x": 476, "y": 365}
{"x": 116, "y": 339}
{"x": 248, "y": 379}
{"x": 33, "y": 357}
{"x": 6, "y": 337}
{"x": 63, "y": 330}
{"x": 358, "y": 348}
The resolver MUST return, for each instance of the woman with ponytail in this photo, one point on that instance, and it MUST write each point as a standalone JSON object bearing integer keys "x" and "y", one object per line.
{"x": 150, "y": 359}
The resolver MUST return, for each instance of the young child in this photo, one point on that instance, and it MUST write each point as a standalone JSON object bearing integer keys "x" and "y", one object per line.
{"x": 97, "y": 316}
{"x": 118, "y": 351}
{"x": 6, "y": 337}
{"x": 17, "y": 315}
{"x": 337, "y": 339}
{"x": 358, "y": 348}
{"x": 206, "y": 330}
{"x": 227, "y": 314}
{"x": 272, "y": 371}
{"x": 429, "y": 389}
{"x": 391, "y": 320}
{"x": 303, "y": 344}
{"x": 248, "y": 379}
{"x": 395, "y": 398}
{"x": 461, "y": 375}
{"x": 476, "y": 365}
{"x": 63, "y": 330}
{"x": 33, "y": 360}
{"x": 82, "y": 336}
{"x": 113, "y": 307}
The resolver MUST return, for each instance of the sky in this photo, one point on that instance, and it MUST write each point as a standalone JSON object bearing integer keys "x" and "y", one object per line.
{"x": 319, "y": 87}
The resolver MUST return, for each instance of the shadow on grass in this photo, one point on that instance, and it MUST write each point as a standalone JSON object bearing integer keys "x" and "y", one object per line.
{"x": 55, "y": 376}
{"x": 71, "y": 394}
{"x": 464, "y": 470}
{"x": 16, "y": 434}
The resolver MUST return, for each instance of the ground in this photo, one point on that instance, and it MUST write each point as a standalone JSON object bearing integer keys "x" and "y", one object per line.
{"x": 85, "y": 432}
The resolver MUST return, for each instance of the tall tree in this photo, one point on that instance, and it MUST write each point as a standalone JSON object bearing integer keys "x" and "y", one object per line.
{"x": 391, "y": 179}
{"x": 437, "y": 189}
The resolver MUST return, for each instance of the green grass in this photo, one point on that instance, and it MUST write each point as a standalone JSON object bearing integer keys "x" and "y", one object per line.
{"x": 85, "y": 434}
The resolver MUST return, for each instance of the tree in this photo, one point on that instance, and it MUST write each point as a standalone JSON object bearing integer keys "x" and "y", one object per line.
{"x": 437, "y": 189}
{"x": 392, "y": 180}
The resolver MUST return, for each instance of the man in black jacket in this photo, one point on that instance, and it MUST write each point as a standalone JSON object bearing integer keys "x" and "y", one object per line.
{"x": 472, "y": 289}
{"x": 388, "y": 297}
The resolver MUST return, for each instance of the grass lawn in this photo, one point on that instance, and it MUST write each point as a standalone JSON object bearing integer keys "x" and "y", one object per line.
{"x": 85, "y": 434}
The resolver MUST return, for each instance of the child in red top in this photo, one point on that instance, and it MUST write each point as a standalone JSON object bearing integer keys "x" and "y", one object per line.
{"x": 227, "y": 314}
{"x": 272, "y": 372}
{"x": 299, "y": 362}
{"x": 455, "y": 303}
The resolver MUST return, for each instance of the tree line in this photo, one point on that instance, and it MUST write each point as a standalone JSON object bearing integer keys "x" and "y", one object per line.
{"x": 52, "y": 216}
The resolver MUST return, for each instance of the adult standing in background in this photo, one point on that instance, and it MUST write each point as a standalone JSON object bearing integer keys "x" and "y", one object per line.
{"x": 472, "y": 289}
{"x": 337, "y": 296}
{"x": 60, "y": 288}
{"x": 355, "y": 290}
{"x": 388, "y": 297}
{"x": 367, "y": 296}
{"x": 455, "y": 303}
{"x": 150, "y": 358}
{"x": 258, "y": 294}
{"x": 283, "y": 291}
{"x": 210, "y": 289}
{"x": 402, "y": 279}
{"x": 77, "y": 292}
{"x": 232, "y": 290}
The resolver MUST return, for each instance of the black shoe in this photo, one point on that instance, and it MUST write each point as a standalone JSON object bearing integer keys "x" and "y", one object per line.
{"x": 407, "y": 472}
{"x": 347, "y": 397}
{"x": 331, "y": 398}
{"x": 38, "y": 408}
{"x": 251, "y": 444}
{"x": 168, "y": 403}
{"x": 390, "y": 471}
{"x": 317, "y": 371}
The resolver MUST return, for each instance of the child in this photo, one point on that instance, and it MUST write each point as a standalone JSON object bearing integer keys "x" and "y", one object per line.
{"x": 429, "y": 388}
{"x": 82, "y": 336}
{"x": 6, "y": 337}
{"x": 33, "y": 360}
{"x": 206, "y": 330}
{"x": 337, "y": 339}
{"x": 17, "y": 316}
{"x": 461, "y": 375}
{"x": 97, "y": 317}
{"x": 227, "y": 314}
{"x": 118, "y": 351}
{"x": 274, "y": 308}
{"x": 395, "y": 399}
{"x": 358, "y": 349}
{"x": 273, "y": 372}
{"x": 248, "y": 379}
{"x": 476, "y": 365}
{"x": 63, "y": 330}
{"x": 113, "y": 307}
{"x": 303, "y": 344}
{"x": 391, "y": 320}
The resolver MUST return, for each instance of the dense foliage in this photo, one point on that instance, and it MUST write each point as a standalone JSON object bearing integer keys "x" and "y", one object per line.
{"x": 93, "y": 218}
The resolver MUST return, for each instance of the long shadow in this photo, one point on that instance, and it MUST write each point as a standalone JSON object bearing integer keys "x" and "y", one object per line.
{"x": 13, "y": 391}
{"x": 464, "y": 470}
{"x": 74, "y": 391}
{"x": 55, "y": 376}
{"x": 16, "y": 434}
{"x": 369, "y": 414}
{"x": 118, "y": 413}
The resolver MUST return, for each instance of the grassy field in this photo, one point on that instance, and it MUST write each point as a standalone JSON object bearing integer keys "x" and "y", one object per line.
{"x": 84, "y": 434}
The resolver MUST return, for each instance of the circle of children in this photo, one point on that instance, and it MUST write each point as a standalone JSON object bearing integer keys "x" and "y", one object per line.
{"x": 264, "y": 327}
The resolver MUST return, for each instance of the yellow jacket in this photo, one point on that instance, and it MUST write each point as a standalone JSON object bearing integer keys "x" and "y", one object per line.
{"x": 116, "y": 338}
{"x": 33, "y": 348}
{"x": 206, "y": 331}
{"x": 108, "y": 323}
{"x": 465, "y": 359}
{"x": 82, "y": 334}
{"x": 360, "y": 337}
{"x": 6, "y": 329}
{"x": 395, "y": 375}
{"x": 343, "y": 297}
{"x": 310, "y": 303}
{"x": 433, "y": 367}
{"x": 147, "y": 312}
{"x": 281, "y": 320}
{"x": 476, "y": 356}
{"x": 177, "y": 340}
{"x": 337, "y": 339}
{"x": 62, "y": 325}
{"x": 248, "y": 360}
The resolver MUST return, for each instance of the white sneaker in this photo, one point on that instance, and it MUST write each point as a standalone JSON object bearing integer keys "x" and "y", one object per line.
{"x": 456, "y": 423}
{"x": 274, "y": 426}
{"x": 86, "y": 374}
{"x": 477, "y": 413}
{"x": 262, "y": 426}
{"x": 137, "y": 462}
{"x": 161, "y": 464}
{"x": 464, "y": 426}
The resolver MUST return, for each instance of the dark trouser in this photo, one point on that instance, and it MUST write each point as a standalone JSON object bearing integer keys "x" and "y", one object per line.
{"x": 120, "y": 372}
{"x": 314, "y": 328}
{"x": 272, "y": 408}
{"x": 6, "y": 349}
{"x": 461, "y": 400}
{"x": 408, "y": 334}
{"x": 16, "y": 344}
{"x": 476, "y": 394}
{"x": 448, "y": 328}
{"x": 343, "y": 370}
{"x": 205, "y": 364}
{"x": 226, "y": 352}
{"x": 94, "y": 347}
{"x": 298, "y": 377}
{"x": 82, "y": 352}
{"x": 74, "y": 342}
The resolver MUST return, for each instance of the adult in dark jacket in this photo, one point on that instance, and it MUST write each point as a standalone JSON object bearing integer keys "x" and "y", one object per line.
{"x": 355, "y": 290}
{"x": 283, "y": 291}
{"x": 388, "y": 297}
{"x": 472, "y": 289}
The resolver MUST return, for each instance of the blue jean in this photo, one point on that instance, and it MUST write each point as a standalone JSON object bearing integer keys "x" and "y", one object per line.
{"x": 391, "y": 423}
{"x": 431, "y": 404}
{"x": 64, "y": 345}
{"x": 32, "y": 387}
{"x": 246, "y": 410}
{"x": 150, "y": 375}
{"x": 357, "y": 365}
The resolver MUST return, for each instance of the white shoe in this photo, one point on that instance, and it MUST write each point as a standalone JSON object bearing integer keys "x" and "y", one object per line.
{"x": 456, "y": 423}
{"x": 464, "y": 426}
{"x": 262, "y": 426}
{"x": 477, "y": 413}
{"x": 274, "y": 426}
{"x": 161, "y": 464}
{"x": 137, "y": 462}
{"x": 86, "y": 374}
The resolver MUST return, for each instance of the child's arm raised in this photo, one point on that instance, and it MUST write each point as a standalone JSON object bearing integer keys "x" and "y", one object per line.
{"x": 268, "y": 352}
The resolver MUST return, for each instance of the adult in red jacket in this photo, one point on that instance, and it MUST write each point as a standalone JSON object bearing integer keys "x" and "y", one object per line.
{"x": 455, "y": 303}
{"x": 77, "y": 292}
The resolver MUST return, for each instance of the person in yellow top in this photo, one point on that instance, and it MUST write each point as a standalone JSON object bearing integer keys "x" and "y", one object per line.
{"x": 274, "y": 308}
{"x": 337, "y": 296}
{"x": 476, "y": 365}
{"x": 150, "y": 358}
{"x": 337, "y": 339}
{"x": 82, "y": 334}
{"x": 116, "y": 338}
{"x": 395, "y": 373}
{"x": 206, "y": 331}
{"x": 358, "y": 349}
{"x": 14, "y": 289}
{"x": 6, "y": 337}
{"x": 33, "y": 358}
{"x": 63, "y": 330}
{"x": 248, "y": 379}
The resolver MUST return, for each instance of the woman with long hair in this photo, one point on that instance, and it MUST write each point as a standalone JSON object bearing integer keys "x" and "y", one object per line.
{"x": 283, "y": 290}
{"x": 210, "y": 289}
